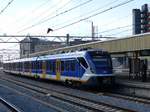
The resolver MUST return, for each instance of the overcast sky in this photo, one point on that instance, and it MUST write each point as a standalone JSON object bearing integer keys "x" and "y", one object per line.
{"x": 35, "y": 16}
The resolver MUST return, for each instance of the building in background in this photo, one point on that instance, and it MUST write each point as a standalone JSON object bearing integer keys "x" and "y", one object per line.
{"x": 141, "y": 20}
{"x": 31, "y": 45}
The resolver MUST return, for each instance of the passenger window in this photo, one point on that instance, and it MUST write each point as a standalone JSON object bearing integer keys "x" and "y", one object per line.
{"x": 40, "y": 64}
{"x": 50, "y": 66}
{"x": 53, "y": 66}
{"x": 72, "y": 65}
{"x": 62, "y": 65}
{"x": 67, "y": 64}
{"x": 34, "y": 65}
{"x": 47, "y": 65}
{"x": 27, "y": 65}
{"x": 83, "y": 62}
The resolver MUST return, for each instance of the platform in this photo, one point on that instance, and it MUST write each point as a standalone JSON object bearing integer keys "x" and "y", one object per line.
{"x": 132, "y": 86}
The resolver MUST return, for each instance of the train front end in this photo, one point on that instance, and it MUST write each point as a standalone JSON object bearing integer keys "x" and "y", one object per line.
{"x": 99, "y": 67}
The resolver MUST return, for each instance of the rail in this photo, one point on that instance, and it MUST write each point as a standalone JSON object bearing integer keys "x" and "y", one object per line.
{"x": 9, "y": 105}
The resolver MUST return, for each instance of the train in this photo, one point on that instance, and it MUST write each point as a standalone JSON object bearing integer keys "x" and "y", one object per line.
{"x": 89, "y": 66}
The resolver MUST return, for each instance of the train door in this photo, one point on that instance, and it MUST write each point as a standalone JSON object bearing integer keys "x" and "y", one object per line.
{"x": 43, "y": 69}
{"x": 58, "y": 69}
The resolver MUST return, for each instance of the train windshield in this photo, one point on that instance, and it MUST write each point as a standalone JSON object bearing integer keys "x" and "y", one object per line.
{"x": 100, "y": 59}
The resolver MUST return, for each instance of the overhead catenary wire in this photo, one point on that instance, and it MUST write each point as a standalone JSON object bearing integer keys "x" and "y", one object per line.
{"x": 47, "y": 10}
{"x": 110, "y": 3}
{"x": 52, "y": 11}
{"x": 9, "y": 3}
{"x": 70, "y": 10}
{"x": 112, "y": 22}
{"x": 95, "y": 14}
{"x": 41, "y": 5}
{"x": 32, "y": 11}
{"x": 120, "y": 27}
{"x": 116, "y": 20}
{"x": 45, "y": 20}
{"x": 118, "y": 32}
{"x": 65, "y": 4}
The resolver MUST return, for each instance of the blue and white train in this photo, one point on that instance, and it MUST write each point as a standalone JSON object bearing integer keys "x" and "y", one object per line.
{"x": 79, "y": 66}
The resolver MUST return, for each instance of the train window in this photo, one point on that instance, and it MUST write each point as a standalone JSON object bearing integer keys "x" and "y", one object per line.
{"x": 27, "y": 65}
{"x": 21, "y": 66}
{"x": 4, "y": 66}
{"x": 102, "y": 61}
{"x": 32, "y": 65}
{"x": 24, "y": 65}
{"x": 12, "y": 66}
{"x": 36, "y": 65}
{"x": 47, "y": 65}
{"x": 72, "y": 65}
{"x": 50, "y": 66}
{"x": 15, "y": 66}
{"x": 82, "y": 62}
{"x": 62, "y": 65}
{"x": 39, "y": 64}
{"x": 53, "y": 66}
{"x": 67, "y": 64}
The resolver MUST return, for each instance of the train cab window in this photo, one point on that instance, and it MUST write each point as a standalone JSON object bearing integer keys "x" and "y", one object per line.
{"x": 82, "y": 62}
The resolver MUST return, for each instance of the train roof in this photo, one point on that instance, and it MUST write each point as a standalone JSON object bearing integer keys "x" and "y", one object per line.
{"x": 63, "y": 56}
{"x": 56, "y": 56}
{"x": 68, "y": 55}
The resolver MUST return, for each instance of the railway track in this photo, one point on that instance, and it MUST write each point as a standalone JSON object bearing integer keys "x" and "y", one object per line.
{"x": 69, "y": 98}
{"x": 10, "y": 106}
{"x": 126, "y": 97}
